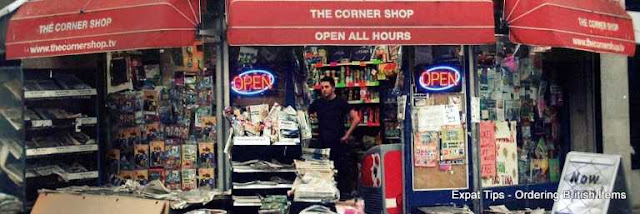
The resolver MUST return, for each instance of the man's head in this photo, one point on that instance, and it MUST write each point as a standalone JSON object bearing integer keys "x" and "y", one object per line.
{"x": 328, "y": 87}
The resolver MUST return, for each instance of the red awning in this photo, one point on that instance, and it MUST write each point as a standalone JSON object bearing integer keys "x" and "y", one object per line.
{"x": 52, "y": 28}
{"x": 360, "y": 22}
{"x": 592, "y": 25}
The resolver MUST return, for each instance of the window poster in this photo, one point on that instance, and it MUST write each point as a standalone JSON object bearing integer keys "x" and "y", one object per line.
{"x": 452, "y": 146}
{"x": 425, "y": 149}
{"x": 487, "y": 149}
{"x": 506, "y": 158}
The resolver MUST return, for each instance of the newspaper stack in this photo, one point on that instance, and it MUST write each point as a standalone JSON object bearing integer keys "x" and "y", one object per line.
{"x": 315, "y": 182}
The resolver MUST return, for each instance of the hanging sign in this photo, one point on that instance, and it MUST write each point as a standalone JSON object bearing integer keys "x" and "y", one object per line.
{"x": 253, "y": 82}
{"x": 439, "y": 79}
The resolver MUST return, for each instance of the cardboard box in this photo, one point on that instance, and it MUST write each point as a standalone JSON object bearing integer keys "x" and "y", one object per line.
{"x": 62, "y": 203}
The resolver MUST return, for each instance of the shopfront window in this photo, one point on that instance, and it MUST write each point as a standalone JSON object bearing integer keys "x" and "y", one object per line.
{"x": 521, "y": 110}
{"x": 162, "y": 117}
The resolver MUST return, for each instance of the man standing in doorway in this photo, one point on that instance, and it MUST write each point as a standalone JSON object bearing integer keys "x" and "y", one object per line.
{"x": 332, "y": 112}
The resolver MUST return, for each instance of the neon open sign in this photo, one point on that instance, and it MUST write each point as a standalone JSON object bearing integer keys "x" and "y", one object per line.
{"x": 252, "y": 82}
{"x": 440, "y": 79}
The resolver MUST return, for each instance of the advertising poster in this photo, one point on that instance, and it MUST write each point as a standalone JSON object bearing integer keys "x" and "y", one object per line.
{"x": 452, "y": 146}
{"x": 426, "y": 149}
{"x": 487, "y": 150}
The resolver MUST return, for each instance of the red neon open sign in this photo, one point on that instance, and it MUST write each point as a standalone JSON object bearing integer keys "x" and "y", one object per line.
{"x": 252, "y": 82}
{"x": 440, "y": 78}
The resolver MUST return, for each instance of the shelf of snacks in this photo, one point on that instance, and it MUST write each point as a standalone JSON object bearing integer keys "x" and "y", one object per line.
{"x": 352, "y": 63}
{"x": 365, "y": 125}
{"x": 363, "y": 101}
{"x": 350, "y": 85}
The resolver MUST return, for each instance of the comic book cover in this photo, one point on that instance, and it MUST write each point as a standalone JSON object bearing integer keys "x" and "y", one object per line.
{"x": 173, "y": 179}
{"x": 113, "y": 161}
{"x": 141, "y": 156}
{"x": 189, "y": 156}
{"x": 153, "y": 131}
{"x": 128, "y": 137}
{"x": 151, "y": 100}
{"x": 206, "y": 178}
{"x": 200, "y": 113}
{"x": 142, "y": 176}
{"x": 127, "y": 161}
{"x": 156, "y": 174}
{"x": 173, "y": 156}
{"x": 208, "y": 131}
{"x": 127, "y": 174}
{"x": 206, "y": 157}
{"x": 157, "y": 153}
{"x": 189, "y": 179}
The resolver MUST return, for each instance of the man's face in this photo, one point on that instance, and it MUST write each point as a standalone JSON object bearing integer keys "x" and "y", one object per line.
{"x": 326, "y": 89}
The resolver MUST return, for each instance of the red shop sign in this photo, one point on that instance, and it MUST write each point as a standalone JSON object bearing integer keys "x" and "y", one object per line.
{"x": 53, "y": 28}
{"x": 358, "y": 22}
{"x": 601, "y": 26}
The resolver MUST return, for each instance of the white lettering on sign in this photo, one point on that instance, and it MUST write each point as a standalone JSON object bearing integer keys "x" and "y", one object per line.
{"x": 74, "y": 25}
{"x": 395, "y": 14}
{"x": 320, "y": 14}
{"x": 363, "y": 36}
{"x": 357, "y": 14}
{"x": 330, "y": 35}
{"x": 600, "y": 25}
{"x": 392, "y": 36}
{"x": 361, "y": 14}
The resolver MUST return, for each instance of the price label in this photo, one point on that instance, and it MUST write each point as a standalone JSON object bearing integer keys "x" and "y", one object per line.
{"x": 41, "y": 123}
{"x": 87, "y": 120}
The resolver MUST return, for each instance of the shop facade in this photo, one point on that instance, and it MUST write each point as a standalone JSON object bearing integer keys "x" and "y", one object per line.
{"x": 468, "y": 116}
{"x": 412, "y": 43}
{"x": 531, "y": 94}
{"x": 100, "y": 94}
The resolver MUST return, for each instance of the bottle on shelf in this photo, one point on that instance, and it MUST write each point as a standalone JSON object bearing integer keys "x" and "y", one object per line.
{"x": 341, "y": 79}
{"x": 348, "y": 76}
{"x": 365, "y": 116}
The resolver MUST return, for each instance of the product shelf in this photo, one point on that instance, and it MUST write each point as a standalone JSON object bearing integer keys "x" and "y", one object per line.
{"x": 363, "y": 101}
{"x": 59, "y": 93}
{"x": 61, "y": 150}
{"x": 352, "y": 63}
{"x": 247, "y": 169}
{"x": 81, "y": 121}
{"x": 263, "y": 186}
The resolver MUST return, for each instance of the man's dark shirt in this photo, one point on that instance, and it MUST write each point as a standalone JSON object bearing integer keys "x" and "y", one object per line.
{"x": 331, "y": 119}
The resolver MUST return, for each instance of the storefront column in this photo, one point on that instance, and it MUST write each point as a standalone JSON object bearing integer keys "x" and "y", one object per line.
{"x": 615, "y": 115}
{"x": 614, "y": 90}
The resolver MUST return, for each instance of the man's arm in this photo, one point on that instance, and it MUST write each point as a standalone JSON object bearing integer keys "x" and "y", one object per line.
{"x": 355, "y": 120}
